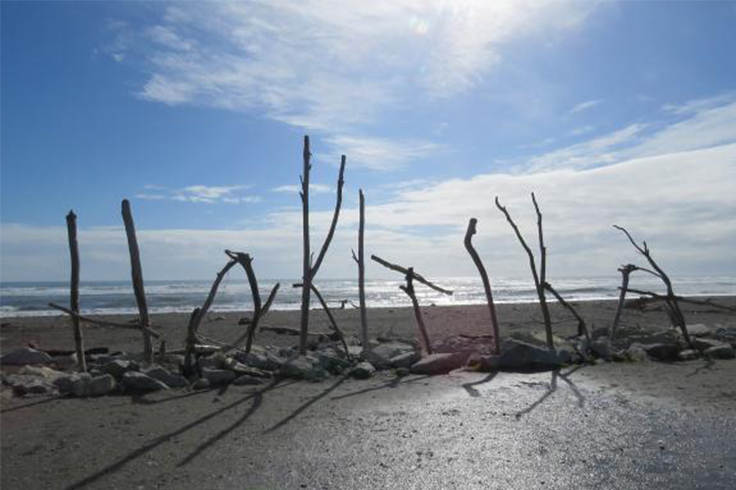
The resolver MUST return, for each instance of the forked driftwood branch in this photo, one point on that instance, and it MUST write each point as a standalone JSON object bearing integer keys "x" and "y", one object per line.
{"x": 486, "y": 283}
{"x": 309, "y": 270}
{"x": 671, "y": 302}
{"x": 409, "y": 290}
{"x": 136, "y": 273}
{"x": 540, "y": 278}
{"x": 415, "y": 276}
{"x": 71, "y": 225}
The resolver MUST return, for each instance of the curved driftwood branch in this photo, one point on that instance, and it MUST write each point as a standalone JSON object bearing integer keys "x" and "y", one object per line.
{"x": 330, "y": 317}
{"x": 71, "y": 225}
{"x": 415, "y": 276}
{"x": 335, "y": 216}
{"x": 409, "y": 290}
{"x": 582, "y": 327}
{"x": 486, "y": 283}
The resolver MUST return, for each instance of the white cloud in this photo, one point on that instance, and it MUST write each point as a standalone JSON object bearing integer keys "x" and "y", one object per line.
{"x": 380, "y": 153}
{"x": 199, "y": 194}
{"x": 584, "y": 106}
{"x": 295, "y": 189}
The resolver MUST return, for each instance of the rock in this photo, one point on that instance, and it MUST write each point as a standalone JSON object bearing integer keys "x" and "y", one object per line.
{"x": 668, "y": 337}
{"x": 246, "y": 380}
{"x": 688, "y": 355}
{"x": 636, "y": 353}
{"x": 720, "y": 352}
{"x": 331, "y": 361}
{"x": 24, "y": 356}
{"x": 65, "y": 383}
{"x": 258, "y": 360}
{"x": 172, "y": 380}
{"x": 517, "y": 355}
{"x": 401, "y": 372}
{"x": 405, "y": 360}
{"x": 698, "y": 330}
{"x": 218, "y": 377}
{"x": 85, "y": 386}
{"x": 363, "y": 370}
{"x": 42, "y": 371}
{"x": 393, "y": 348}
{"x": 304, "y": 367}
{"x": 118, "y": 367}
{"x": 662, "y": 352}
{"x": 441, "y": 363}
{"x": 566, "y": 357}
{"x": 599, "y": 333}
{"x": 703, "y": 344}
{"x": 602, "y": 348}
{"x": 377, "y": 360}
{"x": 135, "y": 381}
{"x": 201, "y": 384}
{"x": 28, "y": 384}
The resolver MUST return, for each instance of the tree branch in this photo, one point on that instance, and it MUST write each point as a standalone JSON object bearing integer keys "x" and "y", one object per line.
{"x": 405, "y": 271}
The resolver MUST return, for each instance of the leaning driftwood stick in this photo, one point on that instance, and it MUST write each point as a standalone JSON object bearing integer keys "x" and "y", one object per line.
{"x": 330, "y": 317}
{"x": 582, "y": 327}
{"x": 104, "y": 323}
{"x": 625, "y": 271}
{"x": 335, "y": 216}
{"x": 71, "y": 225}
{"x": 211, "y": 296}
{"x": 533, "y": 266}
{"x": 409, "y": 290}
{"x": 137, "y": 277}
{"x": 361, "y": 276}
{"x": 405, "y": 271}
{"x": 673, "y": 308}
{"x": 486, "y": 283}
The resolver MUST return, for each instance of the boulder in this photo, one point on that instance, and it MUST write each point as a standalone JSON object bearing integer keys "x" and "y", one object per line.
{"x": 703, "y": 344}
{"x": 24, "y": 356}
{"x": 363, "y": 370}
{"x": 331, "y": 361}
{"x": 247, "y": 380}
{"x": 377, "y": 360}
{"x": 304, "y": 367}
{"x": 440, "y": 363}
{"x": 28, "y": 384}
{"x": 405, "y": 360}
{"x": 517, "y": 355}
{"x": 662, "y": 352}
{"x": 218, "y": 377}
{"x": 720, "y": 352}
{"x": 172, "y": 380}
{"x": 259, "y": 360}
{"x": 85, "y": 386}
{"x": 118, "y": 367}
{"x": 139, "y": 382}
{"x": 602, "y": 348}
{"x": 688, "y": 355}
{"x": 698, "y": 330}
{"x": 393, "y": 348}
{"x": 636, "y": 353}
{"x": 202, "y": 384}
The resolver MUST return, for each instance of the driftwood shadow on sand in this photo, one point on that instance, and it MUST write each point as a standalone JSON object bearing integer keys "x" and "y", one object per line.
{"x": 552, "y": 388}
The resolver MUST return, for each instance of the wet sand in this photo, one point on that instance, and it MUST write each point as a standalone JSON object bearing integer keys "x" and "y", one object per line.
{"x": 642, "y": 425}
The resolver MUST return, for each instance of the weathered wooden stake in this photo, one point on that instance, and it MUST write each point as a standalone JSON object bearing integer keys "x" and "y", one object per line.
{"x": 486, "y": 283}
{"x": 625, "y": 271}
{"x": 71, "y": 225}
{"x": 137, "y": 277}
{"x": 361, "y": 276}
{"x": 409, "y": 290}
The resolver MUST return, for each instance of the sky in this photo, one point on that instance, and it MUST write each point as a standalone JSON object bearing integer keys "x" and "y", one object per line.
{"x": 612, "y": 112}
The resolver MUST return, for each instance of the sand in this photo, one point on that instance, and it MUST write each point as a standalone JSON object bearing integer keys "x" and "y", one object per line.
{"x": 642, "y": 425}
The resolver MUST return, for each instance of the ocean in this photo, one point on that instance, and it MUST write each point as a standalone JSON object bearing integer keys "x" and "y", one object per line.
{"x": 116, "y": 297}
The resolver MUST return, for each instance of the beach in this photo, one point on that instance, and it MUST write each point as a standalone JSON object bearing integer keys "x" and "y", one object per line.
{"x": 609, "y": 425}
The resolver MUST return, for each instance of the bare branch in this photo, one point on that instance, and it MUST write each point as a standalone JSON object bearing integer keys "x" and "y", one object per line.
{"x": 582, "y": 327}
{"x": 105, "y": 323}
{"x": 335, "y": 216}
{"x": 409, "y": 290}
{"x": 415, "y": 276}
{"x": 625, "y": 271}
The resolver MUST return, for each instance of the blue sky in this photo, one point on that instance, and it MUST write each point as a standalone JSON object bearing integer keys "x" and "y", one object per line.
{"x": 613, "y": 112}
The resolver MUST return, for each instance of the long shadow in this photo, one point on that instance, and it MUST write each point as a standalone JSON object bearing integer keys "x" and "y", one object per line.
{"x": 142, "y": 400}
{"x": 706, "y": 367}
{"x": 163, "y": 439}
{"x": 550, "y": 389}
{"x": 31, "y": 404}
{"x": 575, "y": 391}
{"x": 305, "y": 406}
{"x": 472, "y": 391}
{"x": 393, "y": 383}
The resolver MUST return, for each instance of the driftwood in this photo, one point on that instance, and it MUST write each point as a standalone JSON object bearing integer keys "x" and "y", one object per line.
{"x": 671, "y": 302}
{"x": 309, "y": 271}
{"x": 259, "y": 310}
{"x": 539, "y": 278}
{"x": 71, "y": 225}
{"x": 486, "y": 283}
{"x": 105, "y": 323}
{"x": 330, "y": 317}
{"x": 625, "y": 271}
{"x": 658, "y": 297}
{"x": 293, "y": 331}
{"x": 582, "y": 327}
{"x": 360, "y": 259}
{"x": 190, "y": 351}
{"x": 409, "y": 290}
{"x": 415, "y": 276}
{"x": 137, "y": 277}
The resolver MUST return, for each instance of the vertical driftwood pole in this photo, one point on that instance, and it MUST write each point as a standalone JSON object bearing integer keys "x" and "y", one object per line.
{"x": 486, "y": 283}
{"x": 409, "y": 290}
{"x": 137, "y": 276}
{"x": 625, "y": 271}
{"x": 361, "y": 276}
{"x": 71, "y": 226}
{"x": 306, "y": 263}
{"x": 543, "y": 277}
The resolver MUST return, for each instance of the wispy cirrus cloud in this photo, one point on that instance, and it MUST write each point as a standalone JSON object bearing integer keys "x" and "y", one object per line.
{"x": 295, "y": 189}
{"x": 380, "y": 153}
{"x": 199, "y": 194}
{"x": 584, "y": 106}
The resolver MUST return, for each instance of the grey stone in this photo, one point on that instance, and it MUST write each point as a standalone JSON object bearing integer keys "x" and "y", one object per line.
{"x": 259, "y": 360}
{"x": 703, "y": 344}
{"x": 688, "y": 355}
{"x": 28, "y": 384}
{"x": 377, "y": 360}
{"x": 331, "y": 361}
{"x": 363, "y": 370}
{"x": 698, "y": 330}
{"x": 24, "y": 356}
{"x": 405, "y": 360}
{"x": 401, "y": 372}
{"x": 636, "y": 353}
{"x": 172, "y": 380}
{"x": 662, "y": 352}
{"x": 602, "y": 348}
{"x": 246, "y": 380}
{"x": 118, "y": 367}
{"x": 441, "y": 363}
{"x": 720, "y": 352}
{"x": 65, "y": 383}
{"x": 85, "y": 386}
{"x": 517, "y": 355}
{"x": 388, "y": 350}
{"x": 135, "y": 381}
{"x": 202, "y": 384}
{"x": 304, "y": 367}
{"x": 218, "y": 376}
